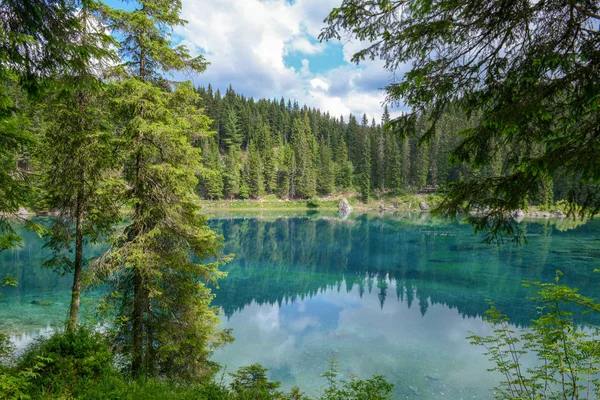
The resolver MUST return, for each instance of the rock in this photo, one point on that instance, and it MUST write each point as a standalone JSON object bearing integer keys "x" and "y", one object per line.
{"x": 344, "y": 208}
{"x": 381, "y": 207}
{"x": 423, "y": 206}
{"x": 434, "y": 377}
{"x": 22, "y": 212}
{"x": 41, "y": 303}
{"x": 518, "y": 215}
{"x": 414, "y": 389}
{"x": 396, "y": 205}
{"x": 546, "y": 215}
{"x": 560, "y": 214}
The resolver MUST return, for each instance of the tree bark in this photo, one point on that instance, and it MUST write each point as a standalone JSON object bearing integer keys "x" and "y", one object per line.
{"x": 76, "y": 290}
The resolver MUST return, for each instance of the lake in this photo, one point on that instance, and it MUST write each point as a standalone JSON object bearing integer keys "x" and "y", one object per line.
{"x": 389, "y": 295}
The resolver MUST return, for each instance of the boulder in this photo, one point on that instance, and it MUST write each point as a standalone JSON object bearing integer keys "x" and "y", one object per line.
{"x": 560, "y": 214}
{"x": 433, "y": 377}
{"x": 344, "y": 208}
{"x": 518, "y": 215}
{"x": 414, "y": 390}
{"x": 424, "y": 206}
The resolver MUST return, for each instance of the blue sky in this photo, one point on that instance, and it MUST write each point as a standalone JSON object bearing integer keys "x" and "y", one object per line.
{"x": 269, "y": 48}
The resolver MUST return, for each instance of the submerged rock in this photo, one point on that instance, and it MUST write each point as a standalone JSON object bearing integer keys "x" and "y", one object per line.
{"x": 344, "y": 208}
{"x": 424, "y": 206}
{"x": 413, "y": 389}
{"x": 41, "y": 303}
{"x": 434, "y": 377}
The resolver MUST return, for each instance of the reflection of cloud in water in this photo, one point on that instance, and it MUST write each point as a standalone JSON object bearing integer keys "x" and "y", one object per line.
{"x": 397, "y": 342}
{"x": 22, "y": 340}
{"x": 266, "y": 318}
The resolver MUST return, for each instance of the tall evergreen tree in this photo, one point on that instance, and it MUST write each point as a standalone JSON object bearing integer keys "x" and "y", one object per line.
{"x": 254, "y": 171}
{"x": 77, "y": 157}
{"x": 326, "y": 175}
{"x": 36, "y": 41}
{"x": 167, "y": 326}
{"x": 363, "y": 174}
{"x": 393, "y": 165}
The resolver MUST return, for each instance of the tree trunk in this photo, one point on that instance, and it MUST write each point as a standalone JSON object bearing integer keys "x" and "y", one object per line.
{"x": 138, "y": 324}
{"x": 76, "y": 290}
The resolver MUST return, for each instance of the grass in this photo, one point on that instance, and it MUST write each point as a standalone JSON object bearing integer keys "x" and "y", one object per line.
{"x": 404, "y": 202}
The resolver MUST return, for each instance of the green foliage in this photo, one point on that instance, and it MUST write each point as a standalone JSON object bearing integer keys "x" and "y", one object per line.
{"x": 312, "y": 203}
{"x": 251, "y": 382}
{"x": 363, "y": 173}
{"x": 567, "y": 354}
{"x": 375, "y": 388}
{"x": 254, "y": 172}
{"x": 524, "y": 77}
{"x": 162, "y": 320}
{"x": 211, "y": 184}
{"x": 65, "y": 363}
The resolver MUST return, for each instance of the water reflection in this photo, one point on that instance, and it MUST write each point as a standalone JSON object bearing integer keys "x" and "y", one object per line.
{"x": 409, "y": 260}
{"x": 391, "y": 296}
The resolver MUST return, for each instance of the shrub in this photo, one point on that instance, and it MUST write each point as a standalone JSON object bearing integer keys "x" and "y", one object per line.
{"x": 568, "y": 353}
{"x": 67, "y": 361}
{"x": 312, "y": 203}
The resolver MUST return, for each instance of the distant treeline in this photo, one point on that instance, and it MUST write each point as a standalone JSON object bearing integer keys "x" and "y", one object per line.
{"x": 263, "y": 147}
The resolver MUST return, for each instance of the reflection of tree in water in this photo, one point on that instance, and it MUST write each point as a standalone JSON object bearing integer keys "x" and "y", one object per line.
{"x": 424, "y": 260}
{"x": 412, "y": 260}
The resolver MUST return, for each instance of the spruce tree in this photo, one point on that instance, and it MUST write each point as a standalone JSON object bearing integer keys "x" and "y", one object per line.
{"x": 344, "y": 169}
{"x": 304, "y": 177}
{"x": 393, "y": 165}
{"x": 325, "y": 176}
{"x": 363, "y": 166}
{"x": 254, "y": 172}
{"x": 36, "y": 41}
{"x": 166, "y": 325}
{"x": 231, "y": 175}
{"x": 77, "y": 160}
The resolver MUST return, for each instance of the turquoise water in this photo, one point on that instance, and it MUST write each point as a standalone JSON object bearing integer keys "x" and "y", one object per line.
{"x": 394, "y": 295}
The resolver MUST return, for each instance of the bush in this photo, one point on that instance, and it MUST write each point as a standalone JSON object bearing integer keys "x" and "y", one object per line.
{"x": 376, "y": 388}
{"x": 312, "y": 203}
{"x": 66, "y": 362}
{"x": 567, "y": 352}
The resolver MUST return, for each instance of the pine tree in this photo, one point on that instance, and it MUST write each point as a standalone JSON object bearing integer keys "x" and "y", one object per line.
{"x": 287, "y": 164}
{"x": 363, "y": 166}
{"x": 325, "y": 176}
{"x": 393, "y": 165}
{"x": 76, "y": 156}
{"x": 254, "y": 172}
{"x": 344, "y": 167}
{"x": 232, "y": 137}
{"x": 166, "y": 325}
{"x": 406, "y": 164}
{"x": 37, "y": 41}
{"x": 304, "y": 176}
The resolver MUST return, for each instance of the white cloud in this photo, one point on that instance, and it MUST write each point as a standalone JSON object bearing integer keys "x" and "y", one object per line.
{"x": 305, "y": 70}
{"x": 319, "y": 84}
{"x": 304, "y": 46}
{"x": 246, "y": 42}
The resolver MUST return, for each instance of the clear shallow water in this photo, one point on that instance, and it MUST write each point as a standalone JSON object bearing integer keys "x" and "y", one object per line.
{"x": 394, "y": 296}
